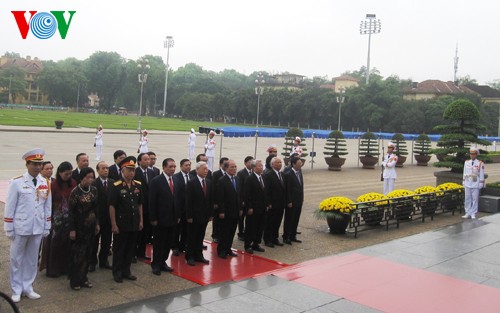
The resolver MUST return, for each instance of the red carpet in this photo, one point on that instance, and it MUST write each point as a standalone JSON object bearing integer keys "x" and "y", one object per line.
{"x": 392, "y": 287}
{"x": 219, "y": 270}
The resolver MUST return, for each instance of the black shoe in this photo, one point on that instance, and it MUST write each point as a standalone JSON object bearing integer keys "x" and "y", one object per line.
{"x": 258, "y": 248}
{"x": 156, "y": 271}
{"x": 277, "y": 243}
{"x": 231, "y": 253}
{"x": 287, "y": 241}
{"x": 215, "y": 240}
{"x": 222, "y": 256}
{"x": 296, "y": 240}
{"x": 130, "y": 277}
{"x": 167, "y": 269}
{"x": 269, "y": 244}
{"x": 134, "y": 259}
{"x": 176, "y": 252}
{"x": 190, "y": 262}
{"x": 249, "y": 250}
{"x": 203, "y": 260}
{"x": 105, "y": 265}
{"x": 205, "y": 247}
{"x": 241, "y": 237}
{"x": 298, "y": 233}
{"x": 118, "y": 279}
{"x": 146, "y": 258}
{"x": 92, "y": 268}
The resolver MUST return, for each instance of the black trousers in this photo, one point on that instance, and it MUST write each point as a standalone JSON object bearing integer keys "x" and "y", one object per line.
{"x": 273, "y": 222}
{"x": 216, "y": 226}
{"x": 227, "y": 230}
{"x": 180, "y": 235}
{"x": 254, "y": 227}
{"x": 195, "y": 236}
{"x": 162, "y": 242}
{"x": 241, "y": 224}
{"x": 101, "y": 245}
{"x": 124, "y": 244}
{"x": 143, "y": 238}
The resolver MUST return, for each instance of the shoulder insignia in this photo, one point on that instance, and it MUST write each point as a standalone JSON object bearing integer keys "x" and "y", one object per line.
{"x": 17, "y": 177}
{"x": 137, "y": 182}
{"x": 117, "y": 183}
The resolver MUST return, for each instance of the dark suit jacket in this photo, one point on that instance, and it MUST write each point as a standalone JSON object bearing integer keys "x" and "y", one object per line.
{"x": 215, "y": 178}
{"x": 102, "y": 201}
{"x": 255, "y": 195}
{"x": 229, "y": 198}
{"x": 295, "y": 190}
{"x": 199, "y": 206}
{"x": 113, "y": 172}
{"x": 275, "y": 190}
{"x": 209, "y": 175}
{"x": 76, "y": 175}
{"x": 242, "y": 175}
{"x": 156, "y": 171}
{"x": 145, "y": 187}
{"x": 180, "y": 191}
{"x": 163, "y": 205}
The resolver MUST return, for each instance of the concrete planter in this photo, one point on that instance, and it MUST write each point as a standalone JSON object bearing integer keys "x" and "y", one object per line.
{"x": 334, "y": 164}
{"x": 368, "y": 161}
{"x": 422, "y": 160}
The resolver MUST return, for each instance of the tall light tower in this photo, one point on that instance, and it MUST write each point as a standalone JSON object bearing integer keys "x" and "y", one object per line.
{"x": 340, "y": 101}
{"x": 168, "y": 43}
{"x": 370, "y": 26}
{"x": 143, "y": 65}
{"x": 259, "y": 89}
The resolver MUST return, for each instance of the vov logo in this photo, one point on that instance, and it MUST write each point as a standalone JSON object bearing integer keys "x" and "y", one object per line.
{"x": 43, "y": 25}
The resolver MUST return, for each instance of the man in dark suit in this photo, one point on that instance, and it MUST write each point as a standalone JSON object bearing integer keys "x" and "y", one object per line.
{"x": 201, "y": 158}
{"x": 229, "y": 209}
{"x": 215, "y": 178}
{"x": 242, "y": 175}
{"x": 199, "y": 211}
{"x": 82, "y": 161}
{"x": 256, "y": 206}
{"x": 276, "y": 202}
{"x": 181, "y": 179}
{"x": 102, "y": 183}
{"x": 144, "y": 174}
{"x": 295, "y": 194}
{"x": 152, "y": 162}
{"x": 164, "y": 215}
{"x": 114, "y": 170}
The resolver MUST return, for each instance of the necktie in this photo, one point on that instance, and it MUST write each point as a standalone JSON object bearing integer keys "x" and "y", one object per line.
{"x": 279, "y": 176}
{"x": 186, "y": 176}
{"x": 261, "y": 182}
{"x": 145, "y": 173}
{"x": 171, "y": 184}
{"x": 119, "y": 172}
{"x": 34, "y": 181}
{"x": 105, "y": 184}
{"x": 298, "y": 177}
{"x": 204, "y": 186}
{"x": 234, "y": 182}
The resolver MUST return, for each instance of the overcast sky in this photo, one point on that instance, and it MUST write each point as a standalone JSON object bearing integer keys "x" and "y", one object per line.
{"x": 311, "y": 38}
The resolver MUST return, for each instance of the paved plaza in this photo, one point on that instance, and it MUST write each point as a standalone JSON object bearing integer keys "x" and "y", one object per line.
{"x": 411, "y": 242}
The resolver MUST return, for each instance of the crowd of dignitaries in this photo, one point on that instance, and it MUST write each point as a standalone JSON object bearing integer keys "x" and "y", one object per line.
{"x": 120, "y": 209}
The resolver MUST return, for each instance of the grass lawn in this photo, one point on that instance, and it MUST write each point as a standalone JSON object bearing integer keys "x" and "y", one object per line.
{"x": 21, "y": 117}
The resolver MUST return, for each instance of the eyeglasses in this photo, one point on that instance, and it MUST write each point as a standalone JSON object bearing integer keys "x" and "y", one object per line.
{"x": 153, "y": 159}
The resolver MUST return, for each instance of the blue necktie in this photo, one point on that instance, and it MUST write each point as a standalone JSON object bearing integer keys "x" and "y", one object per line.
{"x": 234, "y": 182}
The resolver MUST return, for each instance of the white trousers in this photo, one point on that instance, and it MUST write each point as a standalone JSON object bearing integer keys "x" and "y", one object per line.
{"x": 388, "y": 185}
{"x": 191, "y": 151}
{"x": 98, "y": 152}
{"x": 210, "y": 163}
{"x": 23, "y": 263}
{"x": 471, "y": 201}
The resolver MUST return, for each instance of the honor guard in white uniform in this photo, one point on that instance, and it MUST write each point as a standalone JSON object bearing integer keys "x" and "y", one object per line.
{"x": 27, "y": 218}
{"x": 296, "y": 149}
{"x": 210, "y": 150}
{"x": 98, "y": 143}
{"x": 191, "y": 145}
{"x": 389, "y": 168}
{"x": 143, "y": 143}
{"x": 473, "y": 181}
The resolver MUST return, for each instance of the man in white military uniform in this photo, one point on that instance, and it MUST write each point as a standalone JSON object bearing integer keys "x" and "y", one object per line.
{"x": 473, "y": 181}
{"x": 389, "y": 168}
{"x": 210, "y": 150}
{"x": 27, "y": 218}
{"x": 143, "y": 143}
{"x": 191, "y": 145}
{"x": 98, "y": 143}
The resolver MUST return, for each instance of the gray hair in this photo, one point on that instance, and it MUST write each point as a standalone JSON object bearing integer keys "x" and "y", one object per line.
{"x": 274, "y": 159}
{"x": 254, "y": 163}
{"x": 200, "y": 164}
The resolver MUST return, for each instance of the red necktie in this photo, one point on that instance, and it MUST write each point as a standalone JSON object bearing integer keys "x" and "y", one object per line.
{"x": 204, "y": 186}
{"x": 171, "y": 185}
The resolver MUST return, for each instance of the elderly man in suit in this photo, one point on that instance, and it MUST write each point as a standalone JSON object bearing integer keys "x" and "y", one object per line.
{"x": 199, "y": 211}
{"x": 242, "y": 175}
{"x": 82, "y": 161}
{"x": 180, "y": 234}
{"x": 164, "y": 214}
{"x": 114, "y": 170}
{"x": 229, "y": 209}
{"x": 276, "y": 201}
{"x": 144, "y": 174}
{"x": 295, "y": 195}
{"x": 215, "y": 178}
{"x": 255, "y": 203}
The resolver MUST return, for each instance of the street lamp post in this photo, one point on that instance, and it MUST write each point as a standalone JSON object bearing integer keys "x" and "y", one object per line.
{"x": 340, "y": 100}
{"x": 143, "y": 65}
{"x": 370, "y": 26}
{"x": 168, "y": 43}
{"x": 10, "y": 87}
{"x": 259, "y": 81}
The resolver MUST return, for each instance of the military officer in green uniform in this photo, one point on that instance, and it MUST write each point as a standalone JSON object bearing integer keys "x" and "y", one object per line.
{"x": 125, "y": 210}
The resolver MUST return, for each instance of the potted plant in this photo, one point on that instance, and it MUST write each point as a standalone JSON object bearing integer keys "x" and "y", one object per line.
{"x": 335, "y": 147}
{"x": 59, "y": 124}
{"x": 451, "y": 196}
{"x": 290, "y": 136}
{"x": 336, "y": 211}
{"x": 427, "y": 201}
{"x": 373, "y": 206}
{"x": 402, "y": 203}
{"x": 400, "y": 151}
{"x": 422, "y": 150}
{"x": 368, "y": 150}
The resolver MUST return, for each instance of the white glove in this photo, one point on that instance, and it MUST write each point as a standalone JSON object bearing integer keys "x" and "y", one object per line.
{"x": 10, "y": 234}
{"x": 46, "y": 233}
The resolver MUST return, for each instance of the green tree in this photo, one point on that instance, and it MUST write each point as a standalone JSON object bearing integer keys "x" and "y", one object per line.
{"x": 12, "y": 78}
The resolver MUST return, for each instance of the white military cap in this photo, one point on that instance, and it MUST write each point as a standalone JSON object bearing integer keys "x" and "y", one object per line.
{"x": 35, "y": 155}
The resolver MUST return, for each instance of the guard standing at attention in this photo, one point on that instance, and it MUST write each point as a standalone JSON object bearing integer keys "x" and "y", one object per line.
{"x": 473, "y": 181}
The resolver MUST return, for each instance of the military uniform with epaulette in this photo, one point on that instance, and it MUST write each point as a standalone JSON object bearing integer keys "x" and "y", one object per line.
{"x": 127, "y": 202}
